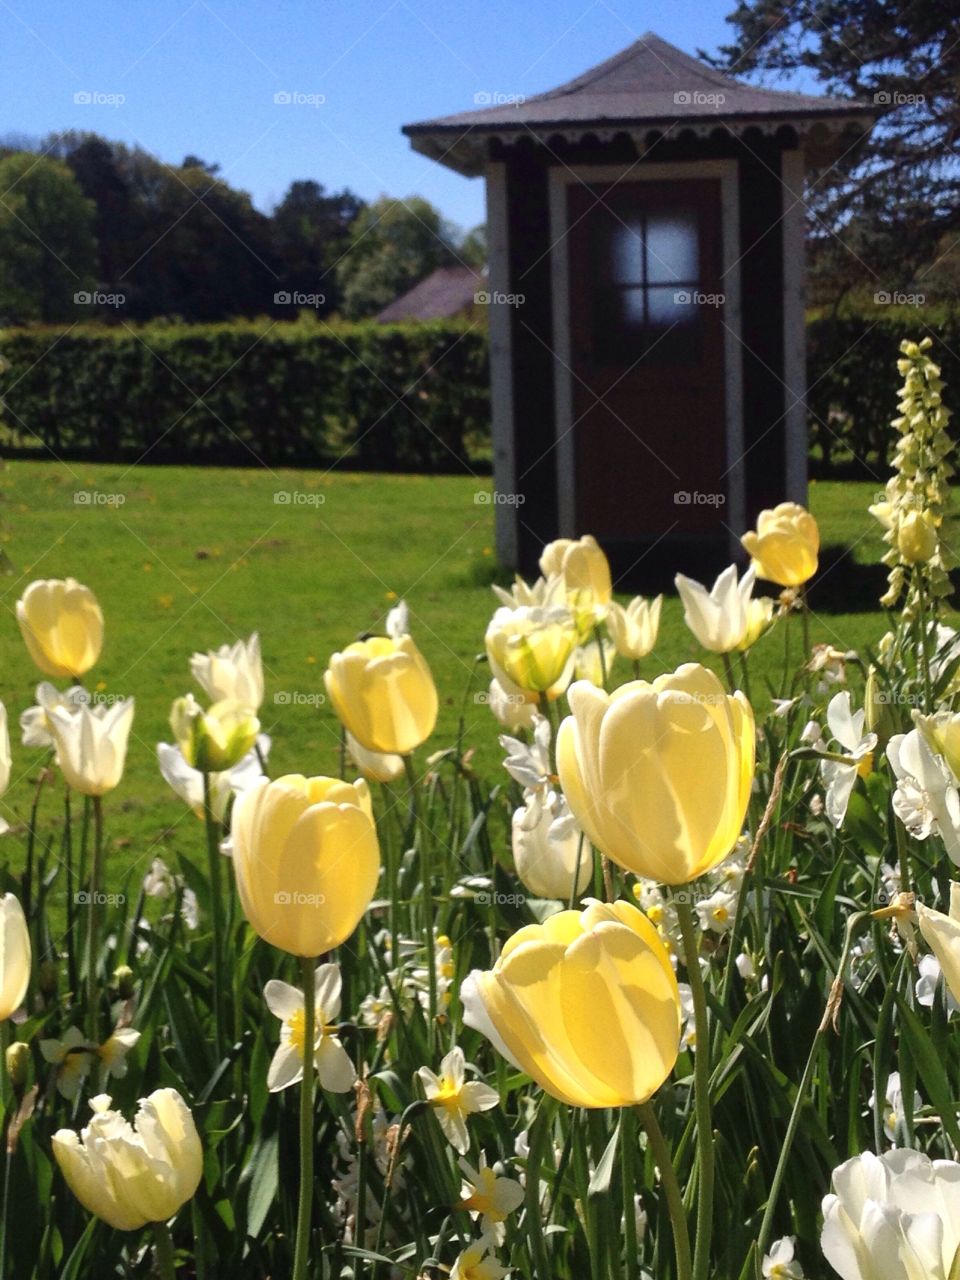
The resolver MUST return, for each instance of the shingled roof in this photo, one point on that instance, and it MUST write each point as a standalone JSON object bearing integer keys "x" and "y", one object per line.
{"x": 651, "y": 84}
{"x": 446, "y": 292}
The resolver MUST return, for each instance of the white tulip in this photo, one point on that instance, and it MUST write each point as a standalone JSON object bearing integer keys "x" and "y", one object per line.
{"x": 634, "y": 629}
{"x": 893, "y": 1217}
{"x": 375, "y": 766}
{"x": 14, "y": 956}
{"x": 719, "y": 618}
{"x": 91, "y": 744}
{"x": 187, "y": 782}
{"x": 232, "y": 673}
{"x": 35, "y": 728}
{"x": 926, "y": 799}
{"x": 546, "y": 846}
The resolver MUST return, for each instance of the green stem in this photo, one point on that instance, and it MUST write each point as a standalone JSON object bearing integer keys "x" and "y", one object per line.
{"x": 671, "y": 1188}
{"x": 805, "y": 618}
{"x": 422, "y": 848}
{"x": 305, "y": 1199}
{"x": 728, "y": 672}
{"x": 96, "y": 889}
{"x": 598, "y": 637}
{"x": 164, "y": 1251}
{"x": 216, "y": 910}
{"x": 701, "y": 1088}
{"x": 628, "y": 1151}
{"x": 766, "y": 1226}
{"x": 924, "y": 639}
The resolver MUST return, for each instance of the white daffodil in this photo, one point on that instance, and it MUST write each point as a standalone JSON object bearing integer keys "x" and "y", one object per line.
{"x": 334, "y": 1068}
{"x": 718, "y": 912}
{"x": 475, "y": 1263}
{"x": 718, "y": 618}
{"x": 113, "y": 1052}
{"x": 779, "y": 1263}
{"x": 187, "y": 782}
{"x": 489, "y": 1197}
{"x": 454, "y": 1098}
{"x": 398, "y": 621}
{"x": 232, "y": 673}
{"x": 514, "y": 709}
{"x": 926, "y": 799}
{"x": 548, "y": 846}
{"x": 73, "y": 1057}
{"x": 529, "y": 762}
{"x": 846, "y": 726}
{"x": 35, "y": 728}
{"x": 893, "y": 1112}
{"x": 895, "y": 1216}
{"x": 930, "y": 975}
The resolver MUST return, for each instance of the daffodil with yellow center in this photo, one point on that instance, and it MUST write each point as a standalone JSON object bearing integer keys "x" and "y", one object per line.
{"x": 489, "y": 1196}
{"x": 333, "y": 1065}
{"x": 454, "y": 1098}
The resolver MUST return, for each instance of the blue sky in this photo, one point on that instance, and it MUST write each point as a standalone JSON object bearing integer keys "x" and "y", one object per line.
{"x": 199, "y": 76}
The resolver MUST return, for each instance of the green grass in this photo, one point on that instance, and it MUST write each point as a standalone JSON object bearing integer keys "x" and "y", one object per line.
{"x": 197, "y": 557}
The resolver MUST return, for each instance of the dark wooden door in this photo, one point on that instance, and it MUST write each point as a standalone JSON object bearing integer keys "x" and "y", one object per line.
{"x": 647, "y": 339}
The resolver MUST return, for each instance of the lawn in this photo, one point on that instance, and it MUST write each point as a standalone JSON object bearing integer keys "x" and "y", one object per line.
{"x": 192, "y": 558}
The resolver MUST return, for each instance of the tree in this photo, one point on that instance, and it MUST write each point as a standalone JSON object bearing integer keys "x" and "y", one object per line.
{"x": 48, "y": 252}
{"x": 393, "y": 244}
{"x": 883, "y": 210}
{"x": 310, "y": 232}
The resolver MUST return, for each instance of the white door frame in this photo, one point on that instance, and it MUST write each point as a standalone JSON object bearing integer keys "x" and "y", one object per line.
{"x": 562, "y": 177}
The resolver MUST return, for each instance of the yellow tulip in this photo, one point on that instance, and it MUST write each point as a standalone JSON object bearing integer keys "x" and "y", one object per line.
{"x": 306, "y": 858}
{"x": 785, "y": 546}
{"x": 213, "y": 741}
{"x": 586, "y": 1003}
{"x": 917, "y": 538}
{"x": 634, "y": 629}
{"x": 531, "y": 648}
{"x": 130, "y": 1175}
{"x": 942, "y": 932}
{"x": 62, "y": 626}
{"x": 14, "y": 956}
{"x": 585, "y": 571}
{"x": 383, "y": 693}
{"x": 658, "y": 775}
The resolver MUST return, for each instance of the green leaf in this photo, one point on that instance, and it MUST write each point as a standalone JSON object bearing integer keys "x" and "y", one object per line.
{"x": 602, "y": 1174}
{"x": 930, "y": 1068}
{"x": 263, "y": 1184}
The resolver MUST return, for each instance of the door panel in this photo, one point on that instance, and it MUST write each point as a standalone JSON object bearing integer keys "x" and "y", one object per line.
{"x": 646, "y": 347}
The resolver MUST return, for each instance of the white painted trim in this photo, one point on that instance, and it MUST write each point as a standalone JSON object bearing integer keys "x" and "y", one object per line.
{"x": 561, "y": 178}
{"x": 794, "y": 324}
{"x": 501, "y": 367}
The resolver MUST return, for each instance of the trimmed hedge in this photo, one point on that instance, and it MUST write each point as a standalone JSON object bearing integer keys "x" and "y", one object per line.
{"x": 380, "y": 397}
{"x": 853, "y": 380}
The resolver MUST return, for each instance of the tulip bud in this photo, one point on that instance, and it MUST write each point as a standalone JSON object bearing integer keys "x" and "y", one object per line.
{"x": 14, "y": 955}
{"x": 532, "y": 649}
{"x": 879, "y": 715}
{"x": 785, "y": 546}
{"x": 62, "y": 626}
{"x": 215, "y": 740}
{"x": 383, "y": 693}
{"x": 917, "y": 539}
{"x": 123, "y": 978}
{"x": 18, "y": 1065}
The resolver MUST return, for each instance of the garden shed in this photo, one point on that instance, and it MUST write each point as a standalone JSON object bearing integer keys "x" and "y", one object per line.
{"x": 646, "y": 281}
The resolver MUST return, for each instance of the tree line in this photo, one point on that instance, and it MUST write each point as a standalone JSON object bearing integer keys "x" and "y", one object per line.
{"x": 90, "y": 228}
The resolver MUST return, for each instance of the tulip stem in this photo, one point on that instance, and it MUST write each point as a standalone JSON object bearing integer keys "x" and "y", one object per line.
{"x": 598, "y": 637}
{"x": 164, "y": 1251}
{"x": 305, "y": 1200}
{"x": 701, "y": 1087}
{"x": 96, "y": 878}
{"x": 628, "y": 1174}
{"x": 216, "y": 910}
{"x": 671, "y": 1188}
{"x": 426, "y": 882}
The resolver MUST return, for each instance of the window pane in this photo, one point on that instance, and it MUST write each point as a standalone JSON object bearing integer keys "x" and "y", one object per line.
{"x": 626, "y": 252}
{"x": 672, "y": 254}
{"x": 670, "y": 306}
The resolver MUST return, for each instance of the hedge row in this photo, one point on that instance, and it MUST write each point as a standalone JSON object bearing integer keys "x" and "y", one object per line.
{"x": 404, "y": 397}
{"x": 373, "y": 396}
{"x": 853, "y": 380}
